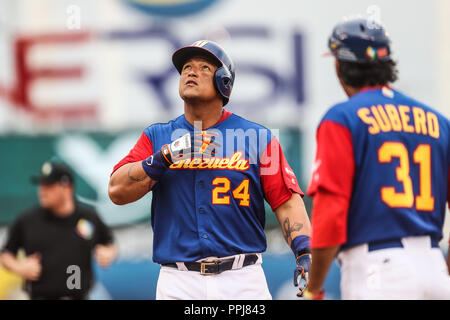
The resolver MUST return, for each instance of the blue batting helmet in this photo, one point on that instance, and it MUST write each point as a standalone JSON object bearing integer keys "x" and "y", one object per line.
{"x": 360, "y": 40}
{"x": 224, "y": 75}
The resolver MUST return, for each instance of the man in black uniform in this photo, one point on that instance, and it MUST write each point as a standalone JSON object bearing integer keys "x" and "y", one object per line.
{"x": 59, "y": 238}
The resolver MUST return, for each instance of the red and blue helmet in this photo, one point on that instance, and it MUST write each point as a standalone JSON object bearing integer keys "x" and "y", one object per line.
{"x": 224, "y": 75}
{"x": 360, "y": 40}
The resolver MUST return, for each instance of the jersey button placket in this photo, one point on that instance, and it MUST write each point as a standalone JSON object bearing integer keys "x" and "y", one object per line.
{"x": 199, "y": 190}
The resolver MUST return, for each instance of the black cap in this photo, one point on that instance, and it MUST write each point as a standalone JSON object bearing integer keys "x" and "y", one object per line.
{"x": 53, "y": 172}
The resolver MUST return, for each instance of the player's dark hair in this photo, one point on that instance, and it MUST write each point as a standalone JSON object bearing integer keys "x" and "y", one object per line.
{"x": 359, "y": 75}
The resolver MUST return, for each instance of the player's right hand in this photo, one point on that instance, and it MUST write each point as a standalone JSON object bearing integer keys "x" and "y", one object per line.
{"x": 191, "y": 145}
{"x": 200, "y": 144}
{"x": 30, "y": 268}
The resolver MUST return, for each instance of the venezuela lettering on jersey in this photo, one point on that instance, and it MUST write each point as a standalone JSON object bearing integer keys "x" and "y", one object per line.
{"x": 232, "y": 163}
{"x": 400, "y": 118}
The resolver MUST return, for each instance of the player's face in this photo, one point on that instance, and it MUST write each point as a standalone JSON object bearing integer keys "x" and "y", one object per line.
{"x": 196, "y": 80}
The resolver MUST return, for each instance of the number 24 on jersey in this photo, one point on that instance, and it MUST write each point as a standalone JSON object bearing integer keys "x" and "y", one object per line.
{"x": 223, "y": 186}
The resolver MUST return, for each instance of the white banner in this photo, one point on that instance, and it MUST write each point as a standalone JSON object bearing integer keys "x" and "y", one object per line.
{"x": 106, "y": 64}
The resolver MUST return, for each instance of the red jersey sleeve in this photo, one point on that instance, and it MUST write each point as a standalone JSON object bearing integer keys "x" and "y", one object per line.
{"x": 141, "y": 150}
{"x": 277, "y": 178}
{"x": 334, "y": 166}
{"x": 328, "y": 220}
{"x": 331, "y": 185}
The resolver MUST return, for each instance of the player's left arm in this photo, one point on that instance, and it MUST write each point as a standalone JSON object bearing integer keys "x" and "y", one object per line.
{"x": 282, "y": 192}
{"x": 296, "y": 228}
{"x": 293, "y": 219}
{"x": 284, "y": 195}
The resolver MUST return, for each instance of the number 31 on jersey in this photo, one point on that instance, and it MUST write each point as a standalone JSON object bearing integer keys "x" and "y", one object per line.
{"x": 421, "y": 156}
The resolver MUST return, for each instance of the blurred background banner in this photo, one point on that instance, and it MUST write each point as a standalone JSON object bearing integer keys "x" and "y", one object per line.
{"x": 81, "y": 79}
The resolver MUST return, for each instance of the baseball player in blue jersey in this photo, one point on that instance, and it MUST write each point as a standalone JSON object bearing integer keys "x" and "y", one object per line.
{"x": 210, "y": 171}
{"x": 380, "y": 181}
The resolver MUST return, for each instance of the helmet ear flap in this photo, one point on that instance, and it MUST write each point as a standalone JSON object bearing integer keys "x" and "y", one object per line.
{"x": 223, "y": 82}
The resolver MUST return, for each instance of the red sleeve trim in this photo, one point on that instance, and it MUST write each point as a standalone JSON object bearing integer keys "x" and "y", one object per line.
{"x": 141, "y": 150}
{"x": 328, "y": 220}
{"x": 278, "y": 180}
{"x": 282, "y": 200}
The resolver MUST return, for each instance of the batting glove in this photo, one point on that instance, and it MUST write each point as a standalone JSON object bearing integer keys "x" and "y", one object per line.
{"x": 301, "y": 272}
{"x": 300, "y": 247}
{"x": 203, "y": 145}
{"x": 191, "y": 145}
{"x": 200, "y": 144}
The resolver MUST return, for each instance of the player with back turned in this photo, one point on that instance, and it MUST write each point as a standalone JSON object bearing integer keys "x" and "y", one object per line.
{"x": 380, "y": 181}
{"x": 209, "y": 171}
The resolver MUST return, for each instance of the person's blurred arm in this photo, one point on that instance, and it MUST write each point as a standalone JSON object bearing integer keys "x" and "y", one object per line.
{"x": 323, "y": 258}
{"x": 331, "y": 188}
{"x": 28, "y": 268}
{"x": 105, "y": 251}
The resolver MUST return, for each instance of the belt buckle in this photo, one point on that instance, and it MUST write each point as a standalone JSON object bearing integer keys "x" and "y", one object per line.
{"x": 203, "y": 267}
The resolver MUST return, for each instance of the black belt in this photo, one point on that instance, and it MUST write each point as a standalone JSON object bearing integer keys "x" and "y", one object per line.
{"x": 215, "y": 267}
{"x": 393, "y": 243}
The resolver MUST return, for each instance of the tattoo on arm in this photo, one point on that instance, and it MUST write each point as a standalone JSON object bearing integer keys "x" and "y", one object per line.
{"x": 288, "y": 229}
{"x": 133, "y": 178}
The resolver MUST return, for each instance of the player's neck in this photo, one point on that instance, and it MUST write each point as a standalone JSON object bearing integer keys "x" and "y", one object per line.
{"x": 208, "y": 114}
{"x": 350, "y": 91}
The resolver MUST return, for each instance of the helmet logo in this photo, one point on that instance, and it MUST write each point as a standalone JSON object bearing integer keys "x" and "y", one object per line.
{"x": 371, "y": 53}
{"x": 200, "y": 43}
{"x": 382, "y": 52}
{"x": 334, "y": 45}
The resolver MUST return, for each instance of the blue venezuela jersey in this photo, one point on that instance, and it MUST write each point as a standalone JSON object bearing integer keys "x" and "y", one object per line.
{"x": 213, "y": 207}
{"x": 401, "y": 151}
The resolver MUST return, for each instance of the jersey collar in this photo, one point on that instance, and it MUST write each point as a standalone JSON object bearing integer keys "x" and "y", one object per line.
{"x": 225, "y": 115}
{"x": 370, "y": 88}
